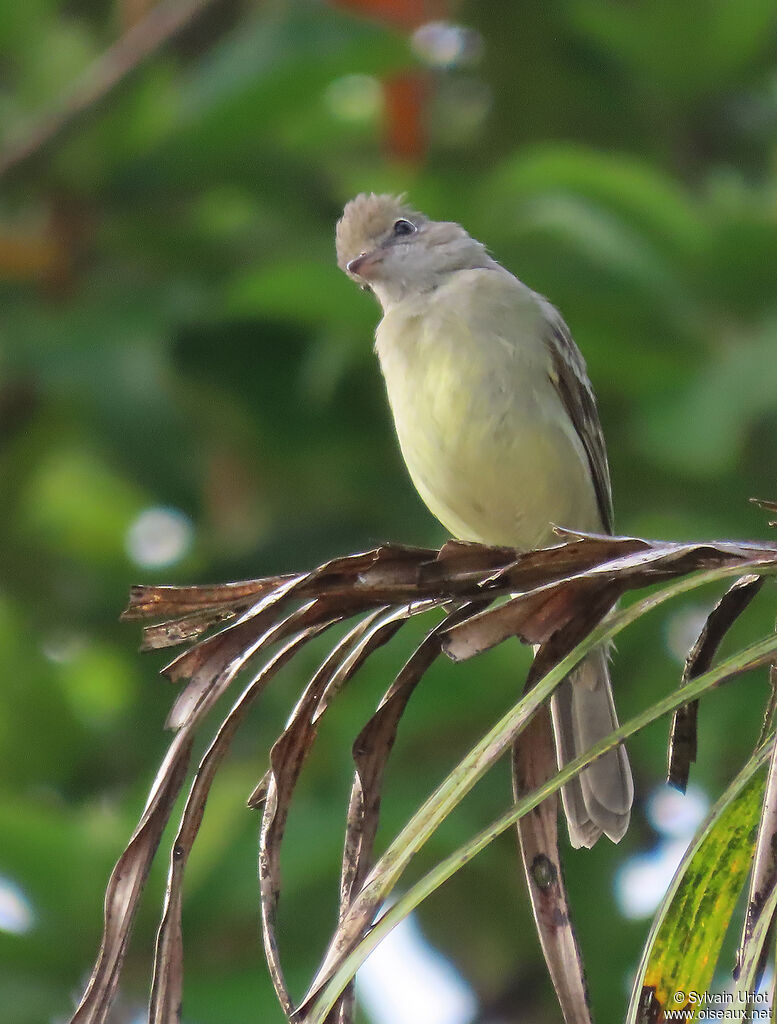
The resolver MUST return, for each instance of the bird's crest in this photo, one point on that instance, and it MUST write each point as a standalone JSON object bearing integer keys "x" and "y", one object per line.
{"x": 367, "y": 218}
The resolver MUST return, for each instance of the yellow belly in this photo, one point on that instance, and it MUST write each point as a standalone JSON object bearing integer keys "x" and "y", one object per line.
{"x": 485, "y": 437}
{"x": 499, "y": 493}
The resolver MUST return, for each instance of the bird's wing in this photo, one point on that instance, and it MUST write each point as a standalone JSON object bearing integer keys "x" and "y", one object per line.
{"x": 500, "y": 305}
{"x": 569, "y": 377}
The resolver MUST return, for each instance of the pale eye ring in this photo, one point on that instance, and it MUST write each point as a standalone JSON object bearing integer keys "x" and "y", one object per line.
{"x": 404, "y": 227}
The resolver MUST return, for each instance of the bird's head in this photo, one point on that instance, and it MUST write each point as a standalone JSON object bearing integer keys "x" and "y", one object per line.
{"x": 394, "y": 251}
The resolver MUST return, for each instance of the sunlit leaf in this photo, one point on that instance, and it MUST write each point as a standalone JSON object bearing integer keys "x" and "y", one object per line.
{"x": 688, "y": 930}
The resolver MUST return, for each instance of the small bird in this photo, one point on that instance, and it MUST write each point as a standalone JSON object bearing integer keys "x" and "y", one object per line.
{"x": 498, "y": 426}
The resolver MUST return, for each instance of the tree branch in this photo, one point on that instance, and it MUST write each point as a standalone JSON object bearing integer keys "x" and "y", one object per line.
{"x": 100, "y": 80}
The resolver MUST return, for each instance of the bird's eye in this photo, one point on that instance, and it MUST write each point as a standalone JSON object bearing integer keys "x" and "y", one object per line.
{"x": 404, "y": 227}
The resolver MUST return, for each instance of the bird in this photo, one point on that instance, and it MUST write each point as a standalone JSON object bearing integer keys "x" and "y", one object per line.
{"x": 498, "y": 426}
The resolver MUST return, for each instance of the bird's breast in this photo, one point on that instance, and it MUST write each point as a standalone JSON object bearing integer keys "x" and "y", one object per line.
{"x": 485, "y": 438}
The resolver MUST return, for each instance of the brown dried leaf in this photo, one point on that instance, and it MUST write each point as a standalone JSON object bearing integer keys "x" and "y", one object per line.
{"x": 287, "y": 757}
{"x": 127, "y": 882}
{"x": 214, "y": 663}
{"x": 154, "y": 602}
{"x": 182, "y": 630}
{"x": 252, "y": 622}
{"x": 163, "y": 601}
{"x": 346, "y": 669}
{"x": 642, "y": 562}
{"x": 535, "y": 616}
{"x": 382, "y": 571}
{"x": 371, "y": 751}
{"x": 259, "y": 792}
{"x": 768, "y": 506}
{"x": 682, "y": 736}
{"x": 589, "y": 614}
{"x": 569, "y": 588}
{"x": 166, "y": 991}
{"x": 178, "y": 606}
{"x": 128, "y": 877}
{"x": 394, "y": 575}
{"x": 534, "y": 762}
{"x": 289, "y": 754}
{"x": 372, "y": 748}
{"x": 568, "y": 559}
{"x": 462, "y": 562}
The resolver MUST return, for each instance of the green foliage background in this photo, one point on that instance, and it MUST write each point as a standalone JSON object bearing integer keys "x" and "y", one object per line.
{"x": 195, "y": 346}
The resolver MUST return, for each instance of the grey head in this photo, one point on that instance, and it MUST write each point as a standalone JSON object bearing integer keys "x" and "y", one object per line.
{"x": 391, "y": 249}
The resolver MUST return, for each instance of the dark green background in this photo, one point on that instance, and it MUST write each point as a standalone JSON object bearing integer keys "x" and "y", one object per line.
{"x": 199, "y": 349}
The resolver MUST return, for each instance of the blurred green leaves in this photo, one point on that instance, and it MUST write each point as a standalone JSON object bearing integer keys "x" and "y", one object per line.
{"x": 683, "y": 49}
{"x": 75, "y": 505}
{"x": 195, "y": 347}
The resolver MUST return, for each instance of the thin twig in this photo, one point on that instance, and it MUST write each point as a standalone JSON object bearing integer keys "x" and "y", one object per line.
{"x": 100, "y": 80}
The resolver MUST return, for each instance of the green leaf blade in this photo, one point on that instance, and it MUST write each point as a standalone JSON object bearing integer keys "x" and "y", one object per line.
{"x": 684, "y": 945}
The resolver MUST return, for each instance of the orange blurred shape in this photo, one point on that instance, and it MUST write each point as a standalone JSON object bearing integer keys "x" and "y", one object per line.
{"x": 407, "y": 14}
{"x": 404, "y": 94}
{"x": 404, "y": 128}
{"x": 46, "y": 257}
{"x": 25, "y": 258}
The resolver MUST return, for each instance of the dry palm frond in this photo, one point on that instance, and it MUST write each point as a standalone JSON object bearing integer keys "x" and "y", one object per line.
{"x": 552, "y": 598}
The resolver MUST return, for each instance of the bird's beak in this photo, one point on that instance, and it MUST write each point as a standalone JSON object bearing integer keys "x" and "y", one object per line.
{"x": 361, "y": 265}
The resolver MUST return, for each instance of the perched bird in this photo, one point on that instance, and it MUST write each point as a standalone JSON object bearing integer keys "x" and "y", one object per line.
{"x": 498, "y": 426}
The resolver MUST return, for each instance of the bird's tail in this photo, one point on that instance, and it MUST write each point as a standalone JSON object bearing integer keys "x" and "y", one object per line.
{"x": 599, "y": 799}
